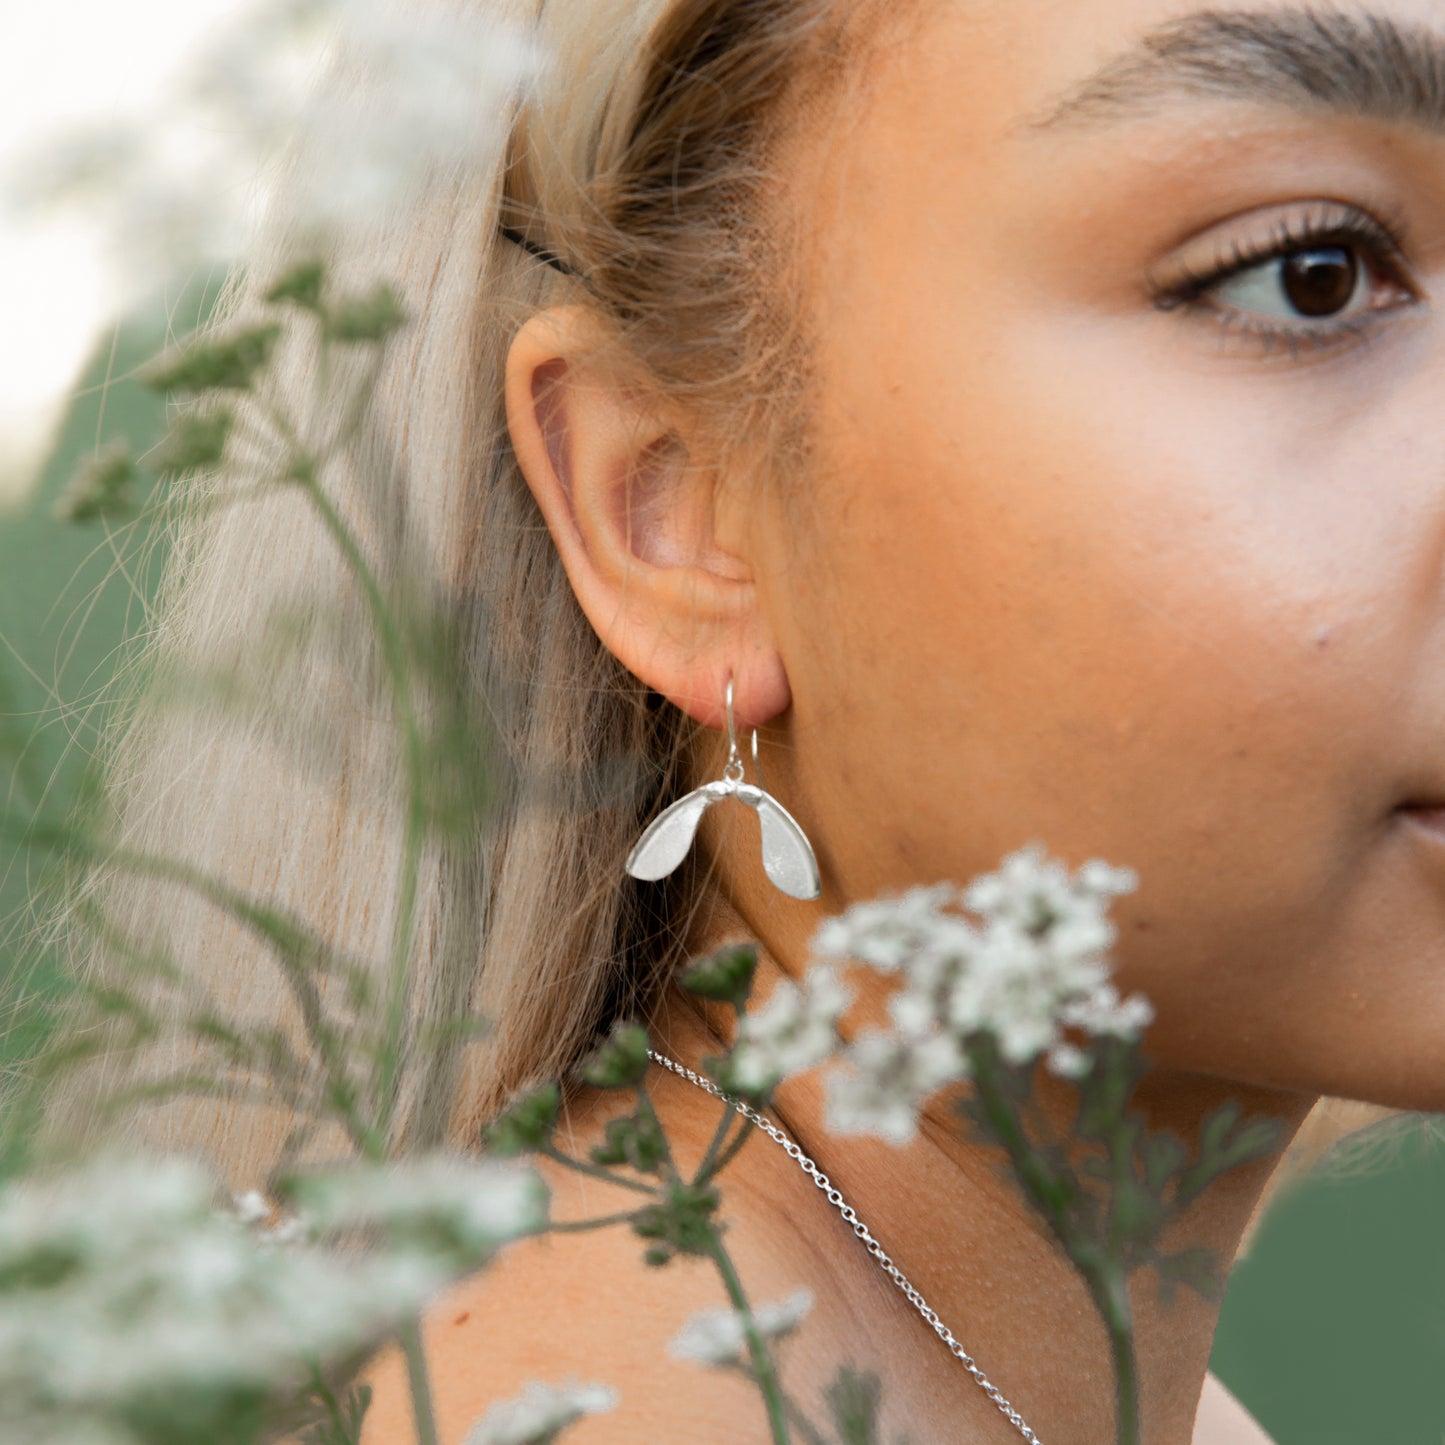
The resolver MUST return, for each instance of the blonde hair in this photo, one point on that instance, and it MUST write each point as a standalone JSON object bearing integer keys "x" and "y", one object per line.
{"x": 641, "y": 156}
{"x": 642, "y": 159}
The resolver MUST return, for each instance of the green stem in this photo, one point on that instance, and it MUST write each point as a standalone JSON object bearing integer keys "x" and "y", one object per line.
{"x": 327, "y": 1396}
{"x": 1111, "y": 1296}
{"x": 734, "y": 1148}
{"x": 421, "y": 1401}
{"x": 796, "y": 1413}
{"x": 394, "y": 652}
{"x": 1041, "y": 1187}
{"x": 705, "y": 1169}
{"x": 809, "y": 1431}
{"x": 766, "y": 1375}
{"x": 578, "y": 1226}
{"x": 296, "y": 949}
{"x": 644, "y": 1101}
{"x": 1112, "y": 1290}
{"x": 356, "y": 403}
{"x": 597, "y": 1171}
{"x": 395, "y": 656}
{"x": 1100, "y": 1263}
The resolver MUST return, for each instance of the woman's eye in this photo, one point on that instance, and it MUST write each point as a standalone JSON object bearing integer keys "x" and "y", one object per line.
{"x": 1320, "y": 282}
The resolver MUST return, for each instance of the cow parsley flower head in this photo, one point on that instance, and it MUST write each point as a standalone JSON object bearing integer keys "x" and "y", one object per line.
{"x": 474, "y": 1204}
{"x": 1034, "y": 962}
{"x": 888, "y": 933}
{"x": 127, "y": 1287}
{"x": 716, "y": 1336}
{"x": 1035, "y": 892}
{"x": 796, "y": 1029}
{"x": 537, "y": 1415}
{"x": 182, "y": 182}
{"x": 893, "y": 1074}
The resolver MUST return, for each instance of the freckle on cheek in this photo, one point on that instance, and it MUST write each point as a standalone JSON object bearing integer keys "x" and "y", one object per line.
{"x": 462, "y": 1318}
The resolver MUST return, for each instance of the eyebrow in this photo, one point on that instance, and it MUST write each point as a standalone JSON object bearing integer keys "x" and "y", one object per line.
{"x": 1361, "y": 64}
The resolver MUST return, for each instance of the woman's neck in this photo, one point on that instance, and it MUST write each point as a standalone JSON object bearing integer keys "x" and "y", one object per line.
{"x": 960, "y": 1229}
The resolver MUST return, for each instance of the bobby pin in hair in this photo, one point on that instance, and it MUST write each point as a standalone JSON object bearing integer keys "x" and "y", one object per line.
{"x": 540, "y": 252}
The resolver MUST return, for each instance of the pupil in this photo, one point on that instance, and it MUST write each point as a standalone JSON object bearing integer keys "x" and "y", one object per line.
{"x": 1321, "y": 282}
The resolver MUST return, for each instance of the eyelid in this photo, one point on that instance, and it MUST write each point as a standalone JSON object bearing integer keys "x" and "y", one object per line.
{"x": 1383, "y": 234}
{"x": 1389, "y": 228}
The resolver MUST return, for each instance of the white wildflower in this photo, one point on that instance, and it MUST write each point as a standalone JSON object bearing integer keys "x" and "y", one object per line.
{"x": 894, "y": 1074}
{"x": 480, "y": 1203}
{"x": 251, "y": 1207}
{"x": 1035, "y": 892}
{"x": 536, "y": 1415}
{"x": 716, "y": 1336}
{"x": 181, "y": 184}
{"x": 255, "y": 1211}
{"x": 1104, "y": 881}
{"x": 888, "y": 933}
{"x": 1069, "y": 1061}
{"x": 1037, "y": 962}
{"x": 124, "y": 1281}
{"x": 1104, "y": 1012}
{"x": 794, "y": 1030}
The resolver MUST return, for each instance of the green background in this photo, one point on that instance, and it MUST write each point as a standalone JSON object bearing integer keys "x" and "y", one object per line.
{"x": 1333, "y": 1330}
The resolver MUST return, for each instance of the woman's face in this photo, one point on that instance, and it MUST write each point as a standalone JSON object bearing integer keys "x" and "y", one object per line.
{"x": 1145, "y": 566}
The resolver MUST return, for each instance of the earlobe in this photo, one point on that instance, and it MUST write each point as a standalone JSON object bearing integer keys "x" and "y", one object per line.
{"x": 630, "y": 511}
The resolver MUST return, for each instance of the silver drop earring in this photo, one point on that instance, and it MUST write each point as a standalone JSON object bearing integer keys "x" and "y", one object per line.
{"x": 788, "y": 857}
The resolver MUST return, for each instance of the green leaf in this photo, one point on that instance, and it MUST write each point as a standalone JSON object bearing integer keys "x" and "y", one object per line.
{"x": 215, "y": 364}
{"x": 527, "y": 1125}
{"x": 342, "y": 1422}
{"x": 193, "y": 441}
{"x": 301, "y": 286}
{"x": 681, "y": 1222}
{"x": 100, "y": 486}
{"x": 853, "y": 1402}
{"x": 636, "y": 1140}
{"x": 1162, "y": 1155}
{"x": 1105, "y": 1091}
{"x": 1197, "y": 1267}
{"x": 621, "y": 1060}
{"x": 1224, "y": 1144}
{"x": 726, "y": 975}
{"x": 372, "y": 317}
{"x": 1138, "y": 1214}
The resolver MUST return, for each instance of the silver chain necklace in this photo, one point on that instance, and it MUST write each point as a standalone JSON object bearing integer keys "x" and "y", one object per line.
{"x": 861, "y": 1230}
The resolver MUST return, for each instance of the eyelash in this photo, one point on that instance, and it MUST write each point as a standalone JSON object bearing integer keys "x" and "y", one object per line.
{"x": 1384, "y": 242}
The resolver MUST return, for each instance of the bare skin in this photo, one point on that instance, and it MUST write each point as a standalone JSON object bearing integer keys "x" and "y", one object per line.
{"x": 1145, "y": 584}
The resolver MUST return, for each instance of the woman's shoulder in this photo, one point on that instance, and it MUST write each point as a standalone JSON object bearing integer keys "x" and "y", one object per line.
{"x": 1222, "y": 1420}
{"x": 582, "y": 1307}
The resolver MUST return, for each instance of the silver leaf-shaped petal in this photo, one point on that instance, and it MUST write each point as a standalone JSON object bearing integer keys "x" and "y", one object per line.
{"x": 788, "y": 857}
{"x": 668, "y": 837}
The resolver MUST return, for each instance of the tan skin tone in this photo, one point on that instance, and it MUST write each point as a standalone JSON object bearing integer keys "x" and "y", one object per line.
{"x": 1123, "y": 581}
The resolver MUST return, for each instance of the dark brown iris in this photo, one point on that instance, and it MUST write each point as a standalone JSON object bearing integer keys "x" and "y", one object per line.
{"x": 1321, "y": 282}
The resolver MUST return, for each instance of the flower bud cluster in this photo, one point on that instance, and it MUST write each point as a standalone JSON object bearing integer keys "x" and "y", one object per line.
{"x": 1031, "y": 963}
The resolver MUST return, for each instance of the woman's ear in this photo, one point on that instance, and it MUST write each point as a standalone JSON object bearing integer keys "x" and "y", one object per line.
{"x": 635, "y": 520}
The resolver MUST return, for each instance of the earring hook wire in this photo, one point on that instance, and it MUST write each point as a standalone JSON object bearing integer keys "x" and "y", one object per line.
{"x": 735, "y": 770}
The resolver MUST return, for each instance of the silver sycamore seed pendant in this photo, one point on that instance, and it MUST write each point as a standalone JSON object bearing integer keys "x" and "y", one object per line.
{"x": 788, "y": 857}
